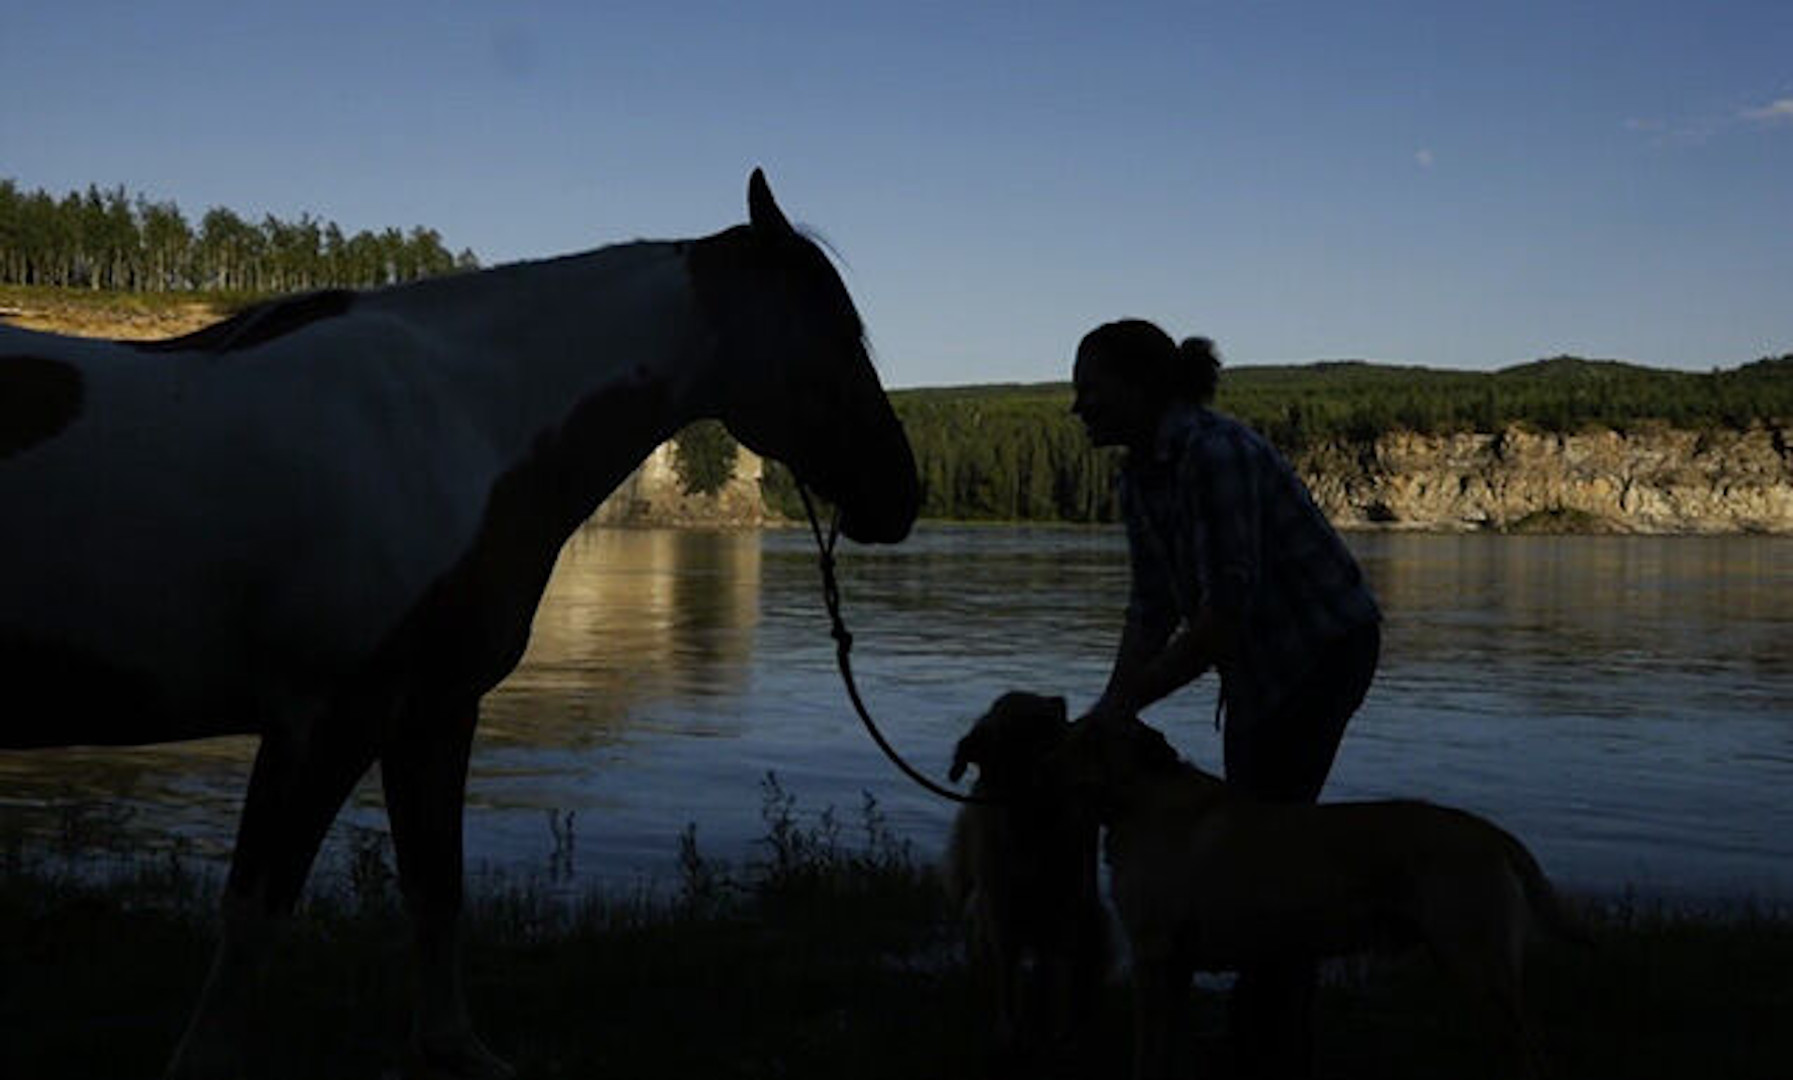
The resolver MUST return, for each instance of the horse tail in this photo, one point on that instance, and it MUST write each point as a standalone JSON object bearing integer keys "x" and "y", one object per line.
{"x": 1547, "y": 906}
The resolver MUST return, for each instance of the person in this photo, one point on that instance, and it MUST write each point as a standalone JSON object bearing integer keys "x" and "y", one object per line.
{"x": 1233, "y": 568}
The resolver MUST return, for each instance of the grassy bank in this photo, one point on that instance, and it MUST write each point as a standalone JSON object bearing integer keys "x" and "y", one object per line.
{"x": 832, "y": 954}
{"x": 107, "y": 314}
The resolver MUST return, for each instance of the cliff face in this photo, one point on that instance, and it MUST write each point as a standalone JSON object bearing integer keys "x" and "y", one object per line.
{"x": 654, "y": 495}
{"x": 1655, "y": 481}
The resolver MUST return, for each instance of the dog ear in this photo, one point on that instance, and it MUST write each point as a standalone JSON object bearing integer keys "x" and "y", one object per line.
{"x": 1060, "y": 711}
{"x": 970, "y": 749}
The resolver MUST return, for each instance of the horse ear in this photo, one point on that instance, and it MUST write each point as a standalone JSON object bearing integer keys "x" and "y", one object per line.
{"x": 762, "y": 209}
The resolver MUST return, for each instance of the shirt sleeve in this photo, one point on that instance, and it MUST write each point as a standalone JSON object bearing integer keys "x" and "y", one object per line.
{"x": 1151, "y": 603}
{"x": 1221, "y": 476}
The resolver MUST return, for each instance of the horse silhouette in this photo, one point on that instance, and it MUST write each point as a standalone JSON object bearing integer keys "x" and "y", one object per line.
{"x": 328, "y": 522}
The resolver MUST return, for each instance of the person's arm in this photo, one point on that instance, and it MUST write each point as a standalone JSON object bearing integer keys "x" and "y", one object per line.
{"x": 1222, "y": 485}
{"x": 1144, "y": 660}
{"x": 1143, "y": 675}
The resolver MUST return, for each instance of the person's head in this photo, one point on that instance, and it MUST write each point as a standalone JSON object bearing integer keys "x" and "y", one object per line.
{"x": 1128, "y": 372}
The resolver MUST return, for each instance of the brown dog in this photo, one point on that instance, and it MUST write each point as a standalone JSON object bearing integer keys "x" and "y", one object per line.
{"x": 1023, "y": 869}
{"x": 1206, "y": 879}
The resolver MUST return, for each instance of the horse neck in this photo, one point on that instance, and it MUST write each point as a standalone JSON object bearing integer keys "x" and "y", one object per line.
{"x": 527, "y": 348}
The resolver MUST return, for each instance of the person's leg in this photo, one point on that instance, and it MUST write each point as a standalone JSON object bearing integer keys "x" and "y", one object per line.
{"x": 1285, "y": 757}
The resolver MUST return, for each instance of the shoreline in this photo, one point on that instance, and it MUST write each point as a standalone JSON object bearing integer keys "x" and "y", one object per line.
{"x": 819, "y": 953}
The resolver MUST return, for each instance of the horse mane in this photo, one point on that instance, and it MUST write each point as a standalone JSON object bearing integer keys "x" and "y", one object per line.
{"x": 256, "y": 324}
{"x": 821, "y": 259}
{"x": 800, "y": 256}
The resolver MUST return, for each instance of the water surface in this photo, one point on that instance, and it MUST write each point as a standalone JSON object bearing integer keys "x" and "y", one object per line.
{"x": 1624, "y": 704}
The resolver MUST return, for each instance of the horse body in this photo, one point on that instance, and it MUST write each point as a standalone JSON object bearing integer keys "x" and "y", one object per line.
{"x": 236, "y": 534}
{"x": 329, "y": 520}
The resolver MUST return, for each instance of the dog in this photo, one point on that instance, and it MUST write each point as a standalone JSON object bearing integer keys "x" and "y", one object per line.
{"x": 1021, "y": 866}
{"x": 1204, "y": 878}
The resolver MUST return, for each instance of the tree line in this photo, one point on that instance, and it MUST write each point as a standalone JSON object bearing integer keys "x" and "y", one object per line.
{"x": 103, "y": 238}
{"x": 1015, "y": 453}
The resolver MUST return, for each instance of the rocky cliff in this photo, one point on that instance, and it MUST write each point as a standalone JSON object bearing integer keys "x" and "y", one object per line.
{"x": 654, "y": 495}
{"x": 1661, "y": 480}
{"x": 1658, "y": 480}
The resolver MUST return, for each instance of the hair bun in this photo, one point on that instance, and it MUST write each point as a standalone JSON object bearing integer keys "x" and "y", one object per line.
{"x": 1201, "y": 368}
{"x": 1197, "y": 348}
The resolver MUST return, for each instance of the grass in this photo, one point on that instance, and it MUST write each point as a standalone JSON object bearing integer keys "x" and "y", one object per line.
{"x": 830, "y": 954}
{"x": 111, "y": 302}
{"x": 104, "y": 314}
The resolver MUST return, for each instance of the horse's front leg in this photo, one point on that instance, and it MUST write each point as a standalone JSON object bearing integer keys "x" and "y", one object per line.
{"x": 303, "y": 772}
{"x": 424, "y": 769}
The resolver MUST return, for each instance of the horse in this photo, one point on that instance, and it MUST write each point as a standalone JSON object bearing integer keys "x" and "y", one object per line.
{"x": 328, "y": 520}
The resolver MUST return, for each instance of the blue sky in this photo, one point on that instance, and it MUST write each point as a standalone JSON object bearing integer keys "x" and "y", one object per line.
{"x": 1450, "y": 184}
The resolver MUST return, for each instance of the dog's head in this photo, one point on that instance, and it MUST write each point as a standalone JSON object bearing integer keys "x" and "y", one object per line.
{"x": 1008, "y": 743}
{"x": 1103, "y": 756}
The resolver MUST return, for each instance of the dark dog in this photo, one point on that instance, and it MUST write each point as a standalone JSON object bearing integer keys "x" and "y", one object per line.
{"x": 1023, "y": 869}
{"x": 1206, "y": 879}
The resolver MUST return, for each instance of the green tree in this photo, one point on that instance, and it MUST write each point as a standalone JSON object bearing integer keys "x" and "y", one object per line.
{"x": 704, "y": 456}
{"x": 166, "y": 246}
{"x": 105, "y": 239}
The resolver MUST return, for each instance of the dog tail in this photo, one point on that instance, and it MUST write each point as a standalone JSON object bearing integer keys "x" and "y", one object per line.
{"x": 1548, "y": 908}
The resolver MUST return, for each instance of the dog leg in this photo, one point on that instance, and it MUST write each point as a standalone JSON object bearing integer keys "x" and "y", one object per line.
{"x": 1160, "y": 990}
{"x": 1489, "y": 975}
{"x": 993, "y": 966}
{"x": 1270, "y": 1018}
{"x": 1475, "y": 927}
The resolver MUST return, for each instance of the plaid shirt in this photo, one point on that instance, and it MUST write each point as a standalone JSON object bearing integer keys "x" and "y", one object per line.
{"x": 1217, "y": 518}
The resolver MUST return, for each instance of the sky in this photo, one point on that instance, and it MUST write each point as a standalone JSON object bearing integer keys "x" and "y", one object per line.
{"x": 1440, "y": 183}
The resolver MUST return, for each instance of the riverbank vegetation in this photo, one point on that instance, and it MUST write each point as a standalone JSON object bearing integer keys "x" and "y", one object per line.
{"x": 831, "y": 952}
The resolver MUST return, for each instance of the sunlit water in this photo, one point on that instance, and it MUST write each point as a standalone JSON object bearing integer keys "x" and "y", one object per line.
{"x": 1624, "y": 704}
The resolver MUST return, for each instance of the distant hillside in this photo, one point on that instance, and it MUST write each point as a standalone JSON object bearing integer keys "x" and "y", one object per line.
{"x": 1014, "y": 452}
{"x": 1295, "y": 404}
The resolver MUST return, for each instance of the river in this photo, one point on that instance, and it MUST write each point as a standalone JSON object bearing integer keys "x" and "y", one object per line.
{"x": 1624, "y": 704}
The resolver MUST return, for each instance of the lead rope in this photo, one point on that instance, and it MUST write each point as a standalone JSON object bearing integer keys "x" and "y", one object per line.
{"x": 843, "y": 646}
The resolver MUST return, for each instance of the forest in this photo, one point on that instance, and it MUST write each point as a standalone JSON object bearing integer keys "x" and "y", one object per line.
{"x": 103, "y": 238}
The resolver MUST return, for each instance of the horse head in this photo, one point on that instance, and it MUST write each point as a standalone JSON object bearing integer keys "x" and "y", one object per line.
{"x": 797, "y": 384}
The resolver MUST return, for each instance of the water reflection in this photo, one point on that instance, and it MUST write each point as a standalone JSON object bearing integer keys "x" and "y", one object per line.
{"x": 631, "y": 618}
